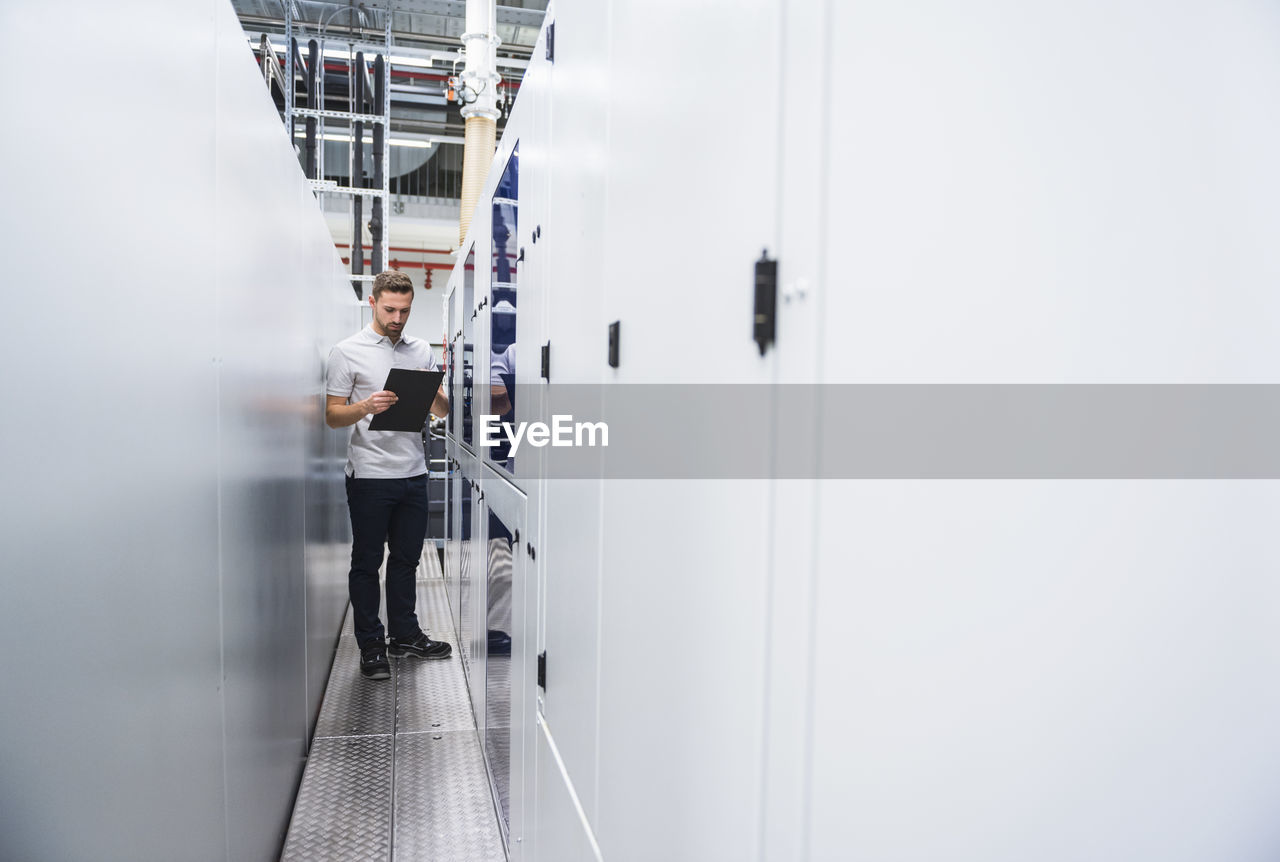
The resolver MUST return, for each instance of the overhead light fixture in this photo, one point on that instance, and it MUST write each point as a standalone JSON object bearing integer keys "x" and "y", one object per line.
{"x": 346, "y": 139}
{"x": 419, "y": 62}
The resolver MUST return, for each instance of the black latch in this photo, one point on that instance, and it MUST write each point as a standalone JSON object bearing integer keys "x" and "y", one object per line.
{"x": 766, "y": 301}
{"x": 614, "y": 333}
{"x": 546, "y": 362}
{"x": 520, "y": 256}
{"x": 551, "y": 41}
{"x": 542, "y": 670}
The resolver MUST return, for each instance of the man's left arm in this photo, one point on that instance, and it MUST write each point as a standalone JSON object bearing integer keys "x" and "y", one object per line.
{"x": 440, "y": 406}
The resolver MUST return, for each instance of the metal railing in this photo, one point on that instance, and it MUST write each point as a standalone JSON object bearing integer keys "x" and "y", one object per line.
{"x": 440, "y": 176}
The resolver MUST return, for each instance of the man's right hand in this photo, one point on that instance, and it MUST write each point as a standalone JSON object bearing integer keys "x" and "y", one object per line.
{"x": 380, "y": 402}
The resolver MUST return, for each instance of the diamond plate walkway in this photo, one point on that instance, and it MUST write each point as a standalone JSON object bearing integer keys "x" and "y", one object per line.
{"x": 395, "y": 772}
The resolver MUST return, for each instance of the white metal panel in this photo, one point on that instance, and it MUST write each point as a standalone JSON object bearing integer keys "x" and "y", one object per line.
{"x": 453, "y": 498}
{"x": 684, "y": 566}
{"x": 692, "y": 199}
{"x": 1062, "y": 670}
{"x": 110, "y": 505}
{"x": 269, "y": 407}
{"x": 509, "y": 504}
{"x": 180, "y": 633}
{"x": 471, "y": 578}
{"x": 528, "y": 124}
{"x": 570, "y": 257}
{"x": 1057, "y": 193}
{"x": 560, "y": 833}
{"x": 1070, "y": 670}
{"x": 681, "y": 668}
{"x": 571, "y": 149}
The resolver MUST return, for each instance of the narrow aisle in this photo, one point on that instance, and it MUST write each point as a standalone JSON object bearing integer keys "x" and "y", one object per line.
{"x": 396, "y": 770}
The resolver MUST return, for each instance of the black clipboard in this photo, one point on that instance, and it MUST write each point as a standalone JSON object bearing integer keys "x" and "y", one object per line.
{"x": 416, "y": 390}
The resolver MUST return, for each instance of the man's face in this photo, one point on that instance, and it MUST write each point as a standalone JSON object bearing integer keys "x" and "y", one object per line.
{"x": 390, "y": 312}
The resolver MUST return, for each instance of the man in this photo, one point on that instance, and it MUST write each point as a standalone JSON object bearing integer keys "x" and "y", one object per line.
{"x": 386, "y": 477}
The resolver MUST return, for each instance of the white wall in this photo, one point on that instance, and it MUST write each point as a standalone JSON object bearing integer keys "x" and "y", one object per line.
{"x": 173, "y": 528}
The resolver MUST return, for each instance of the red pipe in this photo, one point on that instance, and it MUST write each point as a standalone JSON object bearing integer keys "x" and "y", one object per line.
{"x": 417, "y": 76}
{"x": 409, "y": 264}
{"x": 419, "y": 264}
{"x": 402, "y": 248}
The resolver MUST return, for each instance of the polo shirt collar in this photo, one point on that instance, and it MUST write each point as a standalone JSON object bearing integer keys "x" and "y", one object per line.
{"x": 374, "y": 338}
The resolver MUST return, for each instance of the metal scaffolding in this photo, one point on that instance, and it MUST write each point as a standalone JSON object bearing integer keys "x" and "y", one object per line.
{"x": 369, "y": 100}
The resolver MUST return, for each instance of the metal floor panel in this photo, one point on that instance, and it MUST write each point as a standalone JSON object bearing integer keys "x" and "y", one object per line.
{"x": 431, "y": 696}
{"x": 417, "y": 727}
{"x": 444, "y": 810}
{"x": 343, "y": 812}
{"x": 353, "y": 705}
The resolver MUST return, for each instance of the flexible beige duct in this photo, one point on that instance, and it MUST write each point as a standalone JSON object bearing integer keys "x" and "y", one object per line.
{"x": 481, "y": 141}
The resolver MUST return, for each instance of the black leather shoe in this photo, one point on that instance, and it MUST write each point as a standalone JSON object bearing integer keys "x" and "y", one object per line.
{"x": 420, "y": 646}
{"x": 373, "y": 662}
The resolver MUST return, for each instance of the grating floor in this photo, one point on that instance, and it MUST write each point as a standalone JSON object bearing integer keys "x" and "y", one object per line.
{"x": 396, "y": 772}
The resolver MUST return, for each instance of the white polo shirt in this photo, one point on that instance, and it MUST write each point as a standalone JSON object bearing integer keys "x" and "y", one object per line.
{"x": 358, "y": 368}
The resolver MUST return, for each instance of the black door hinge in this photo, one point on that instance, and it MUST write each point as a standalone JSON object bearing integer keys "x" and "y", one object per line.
{"x": 546, "y": 362}
{"x": 614, "y": 334}
{"x": 542, "y": 670}
{"x": 551, "y": 41}
{"x": 766, "y": 301}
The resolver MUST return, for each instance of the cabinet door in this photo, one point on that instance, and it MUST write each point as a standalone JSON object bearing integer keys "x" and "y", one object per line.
{"x": 685, "y": 555}
{"x": 505, "y": 715}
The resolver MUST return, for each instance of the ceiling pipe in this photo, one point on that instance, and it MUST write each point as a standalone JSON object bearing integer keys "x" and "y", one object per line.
{"x": 479, "y": 94}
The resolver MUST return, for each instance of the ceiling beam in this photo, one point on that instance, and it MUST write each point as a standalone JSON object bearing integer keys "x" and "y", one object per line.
{"x": 400, "y": 37}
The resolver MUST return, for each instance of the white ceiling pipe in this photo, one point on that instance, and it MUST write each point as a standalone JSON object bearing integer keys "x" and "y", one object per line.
{"x": 479, "y": 93}
{"x": 480, "y": 74}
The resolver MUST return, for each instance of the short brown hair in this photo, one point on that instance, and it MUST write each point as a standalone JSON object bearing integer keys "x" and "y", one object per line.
{"x": 391, "y": 281}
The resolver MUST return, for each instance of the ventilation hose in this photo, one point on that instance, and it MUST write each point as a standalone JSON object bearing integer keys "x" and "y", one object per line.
{"x": 480, "y": 142}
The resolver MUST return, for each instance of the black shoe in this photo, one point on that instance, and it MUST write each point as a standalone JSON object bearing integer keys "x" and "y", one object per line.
{"x": 373, "y": 662}
{"x": 421, "y": 646}
{"x": 499, "y": 642}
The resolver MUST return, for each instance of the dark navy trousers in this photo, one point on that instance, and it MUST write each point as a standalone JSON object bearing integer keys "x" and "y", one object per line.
{"x": 390, "y": 512}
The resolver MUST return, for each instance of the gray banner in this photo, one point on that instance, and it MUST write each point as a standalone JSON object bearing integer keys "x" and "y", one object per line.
{"x": 901, "y": 431}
